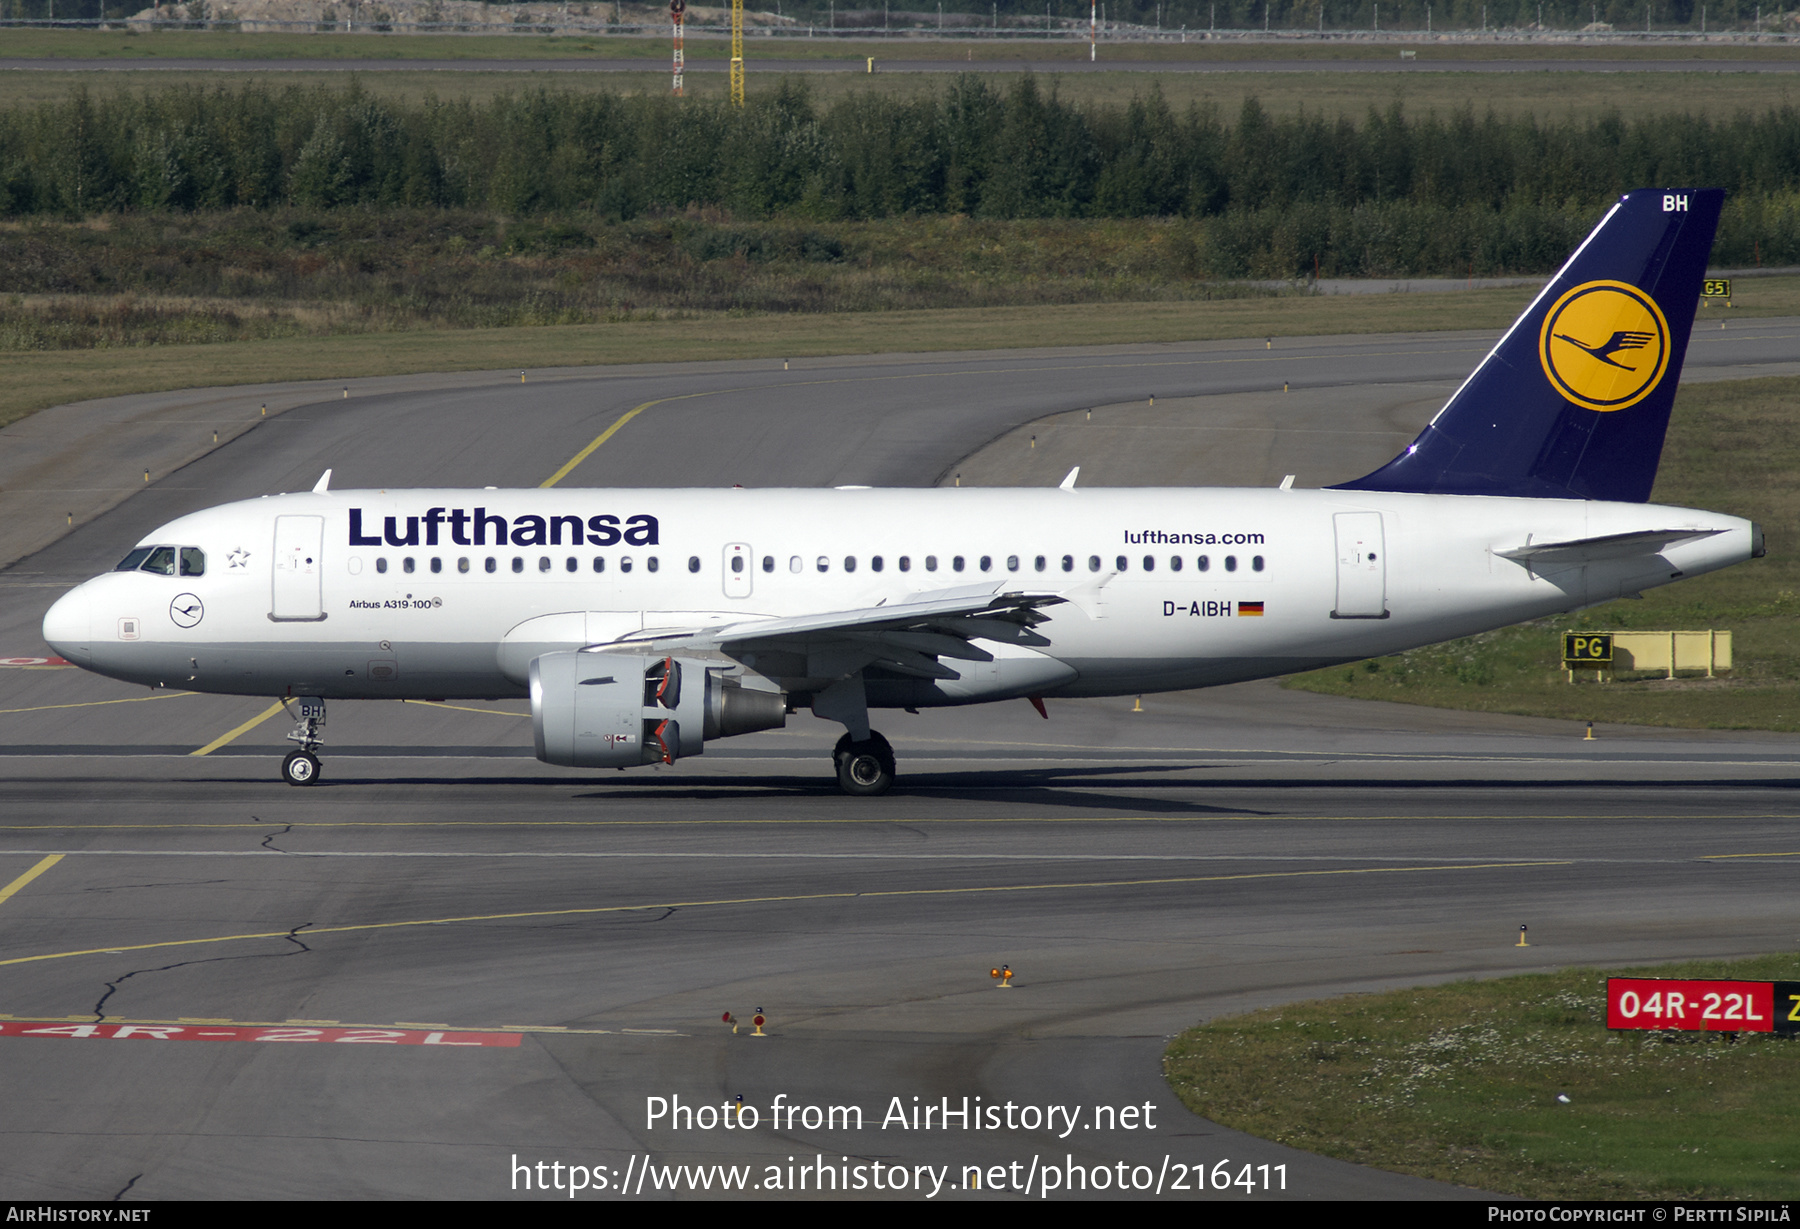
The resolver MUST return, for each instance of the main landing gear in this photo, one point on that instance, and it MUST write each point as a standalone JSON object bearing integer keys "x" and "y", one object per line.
{"x": 865, "y": 767}
{"x": 302, "y": 767}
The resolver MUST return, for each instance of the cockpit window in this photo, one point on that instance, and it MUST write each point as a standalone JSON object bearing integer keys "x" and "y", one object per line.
{"x": 164, "y": 560}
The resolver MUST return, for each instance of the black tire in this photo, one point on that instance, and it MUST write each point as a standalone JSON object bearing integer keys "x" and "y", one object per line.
{"x": 864, "y": 769}
{"x": 300, "y": 768}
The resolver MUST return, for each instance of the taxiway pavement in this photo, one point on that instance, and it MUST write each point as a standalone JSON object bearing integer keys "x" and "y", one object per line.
{"x": 1138, "y": 870}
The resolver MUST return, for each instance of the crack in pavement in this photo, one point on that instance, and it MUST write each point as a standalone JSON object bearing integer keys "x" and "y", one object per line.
{"x": 112, "y": 987}
{"x": 126, "y": 1187}
{"x": 286, "y": 828}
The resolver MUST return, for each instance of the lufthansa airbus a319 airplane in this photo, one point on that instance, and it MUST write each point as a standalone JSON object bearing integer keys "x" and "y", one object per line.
{"x": 644, "y": 623}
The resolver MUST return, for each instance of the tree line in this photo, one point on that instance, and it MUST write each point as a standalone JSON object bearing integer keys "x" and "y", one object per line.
{"x": 1505, "y": 192}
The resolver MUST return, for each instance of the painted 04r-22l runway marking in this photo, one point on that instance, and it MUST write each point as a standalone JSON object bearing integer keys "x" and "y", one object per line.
{"x": 213, "y": 1032}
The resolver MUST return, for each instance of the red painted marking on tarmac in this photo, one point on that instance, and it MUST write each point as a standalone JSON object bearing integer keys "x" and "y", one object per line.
{"x": 34, "y": 661}
{"x": 277, "y": 1033}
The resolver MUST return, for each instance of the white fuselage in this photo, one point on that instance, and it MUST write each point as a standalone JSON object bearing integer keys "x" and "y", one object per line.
{"x": 1163, "y": 589}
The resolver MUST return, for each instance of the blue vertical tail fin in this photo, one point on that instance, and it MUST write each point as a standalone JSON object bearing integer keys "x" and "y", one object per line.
{"x": 1574, "y": 400}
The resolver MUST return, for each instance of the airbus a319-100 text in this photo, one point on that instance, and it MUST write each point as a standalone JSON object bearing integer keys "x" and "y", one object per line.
{"x": 644, "y": 623}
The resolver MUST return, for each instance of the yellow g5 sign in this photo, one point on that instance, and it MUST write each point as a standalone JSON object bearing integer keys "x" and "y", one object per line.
{"x": 1605, "y": 345}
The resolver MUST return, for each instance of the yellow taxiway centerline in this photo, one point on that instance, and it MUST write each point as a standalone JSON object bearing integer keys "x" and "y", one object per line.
{"x": 311, "y": 931}
{"x": 249, "y": 725}
{"x": 6, "y": 893}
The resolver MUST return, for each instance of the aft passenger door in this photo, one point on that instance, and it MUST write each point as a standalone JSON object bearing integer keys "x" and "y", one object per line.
{"x": 738, "y": 578}
{"x": 1361, "y": 566}
{"x": 299, "y": 568}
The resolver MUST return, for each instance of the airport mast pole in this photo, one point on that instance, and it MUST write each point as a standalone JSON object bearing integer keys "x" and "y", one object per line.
{"x": 1093, "y": 27}
{"x": 678, "y": 11}
{"x": 737, "y": 53}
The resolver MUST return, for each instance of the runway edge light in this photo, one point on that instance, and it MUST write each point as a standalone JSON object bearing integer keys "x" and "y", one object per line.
{"x": 1521, "y": 942}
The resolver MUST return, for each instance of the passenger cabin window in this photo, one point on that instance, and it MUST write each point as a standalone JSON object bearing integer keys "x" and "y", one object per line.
{"x": 1203, "y": 563}
{"x": 406, "y": 565}
{"x": 518, "y": 563}
{"x": 768, "y": 563}
{"x": 1122, "y": 563}
{"x": 380, "y": 564}
{"x": 875, "y": 563}
{"x": 1231, "y": 563}
{"x": 543, "y": 563}
{"x": 1174, "y": 563}
{"x": 987, "y": 563}
{"x": 1093, "y": 563}
{"x": 824, "y": 564}
{"x": 437, "y": 565}
{"x": 573, "y": 564}
{"x": 651, "y": 563}
{"x": 849, "y": 563}
{"x": 625, "y": 563}
{"x": 1012, "y": 563}
{"x": 906, "y": 563}
{"x": 931, "y": 563}
{"x": 1256, "y": 564}
{"x": 599, "y": 563}
{"x": 462, "y": 565}
{"x": 492, "y": 564}
{"x": 1149, "y": 563}
{"x": 956, "y": 564}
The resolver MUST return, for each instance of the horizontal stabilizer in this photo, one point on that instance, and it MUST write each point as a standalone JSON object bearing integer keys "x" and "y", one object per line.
{"x": 1611, "y": 546}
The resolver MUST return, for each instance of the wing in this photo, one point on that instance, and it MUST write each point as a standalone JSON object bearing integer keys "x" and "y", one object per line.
{"x": 909, "y": 636}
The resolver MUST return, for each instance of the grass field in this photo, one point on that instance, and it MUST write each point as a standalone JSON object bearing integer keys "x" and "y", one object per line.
{"x": 44, "y": 378}
{"x": 1460, "y": 1083}
{"x": 1579, "y": 96}
{"x": 1732, "y": 448}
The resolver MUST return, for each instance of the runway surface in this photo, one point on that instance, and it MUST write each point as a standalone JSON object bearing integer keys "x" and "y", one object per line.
{"x": 586, "y": 931}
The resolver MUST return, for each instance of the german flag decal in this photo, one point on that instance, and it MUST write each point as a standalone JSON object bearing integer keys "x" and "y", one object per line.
{"x": 1249, "y": 609}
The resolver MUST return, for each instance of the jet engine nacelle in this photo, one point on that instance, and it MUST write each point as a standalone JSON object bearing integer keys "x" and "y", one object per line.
{"x": 616, "y": 710}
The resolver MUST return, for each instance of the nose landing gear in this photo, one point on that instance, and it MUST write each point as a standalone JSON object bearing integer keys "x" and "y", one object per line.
{"x": 302, "y": 767}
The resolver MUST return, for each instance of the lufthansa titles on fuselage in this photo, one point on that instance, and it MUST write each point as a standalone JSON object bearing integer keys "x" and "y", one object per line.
{"x": 1166, "y": 537}
{"x": 484, "y": 528}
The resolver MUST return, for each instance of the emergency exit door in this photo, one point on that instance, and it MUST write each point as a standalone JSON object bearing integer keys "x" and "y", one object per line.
{"x": 738, "y": 575}
{"x": 1361, "y": 567}
{"x": 299, "y": 568}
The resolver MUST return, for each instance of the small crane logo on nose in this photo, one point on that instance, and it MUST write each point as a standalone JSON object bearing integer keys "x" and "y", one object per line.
{"x": 186, "y": 610}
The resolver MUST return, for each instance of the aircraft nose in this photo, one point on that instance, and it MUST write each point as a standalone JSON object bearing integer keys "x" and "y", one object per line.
{"x": 66, "y": 624}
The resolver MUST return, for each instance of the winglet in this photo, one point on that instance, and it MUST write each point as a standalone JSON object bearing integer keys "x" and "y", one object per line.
{"x": 1068, "y": 484}
{"x": 323, "y": 484}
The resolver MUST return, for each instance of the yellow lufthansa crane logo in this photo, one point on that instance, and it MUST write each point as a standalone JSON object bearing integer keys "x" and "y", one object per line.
{"x": 1605, "y": 345}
